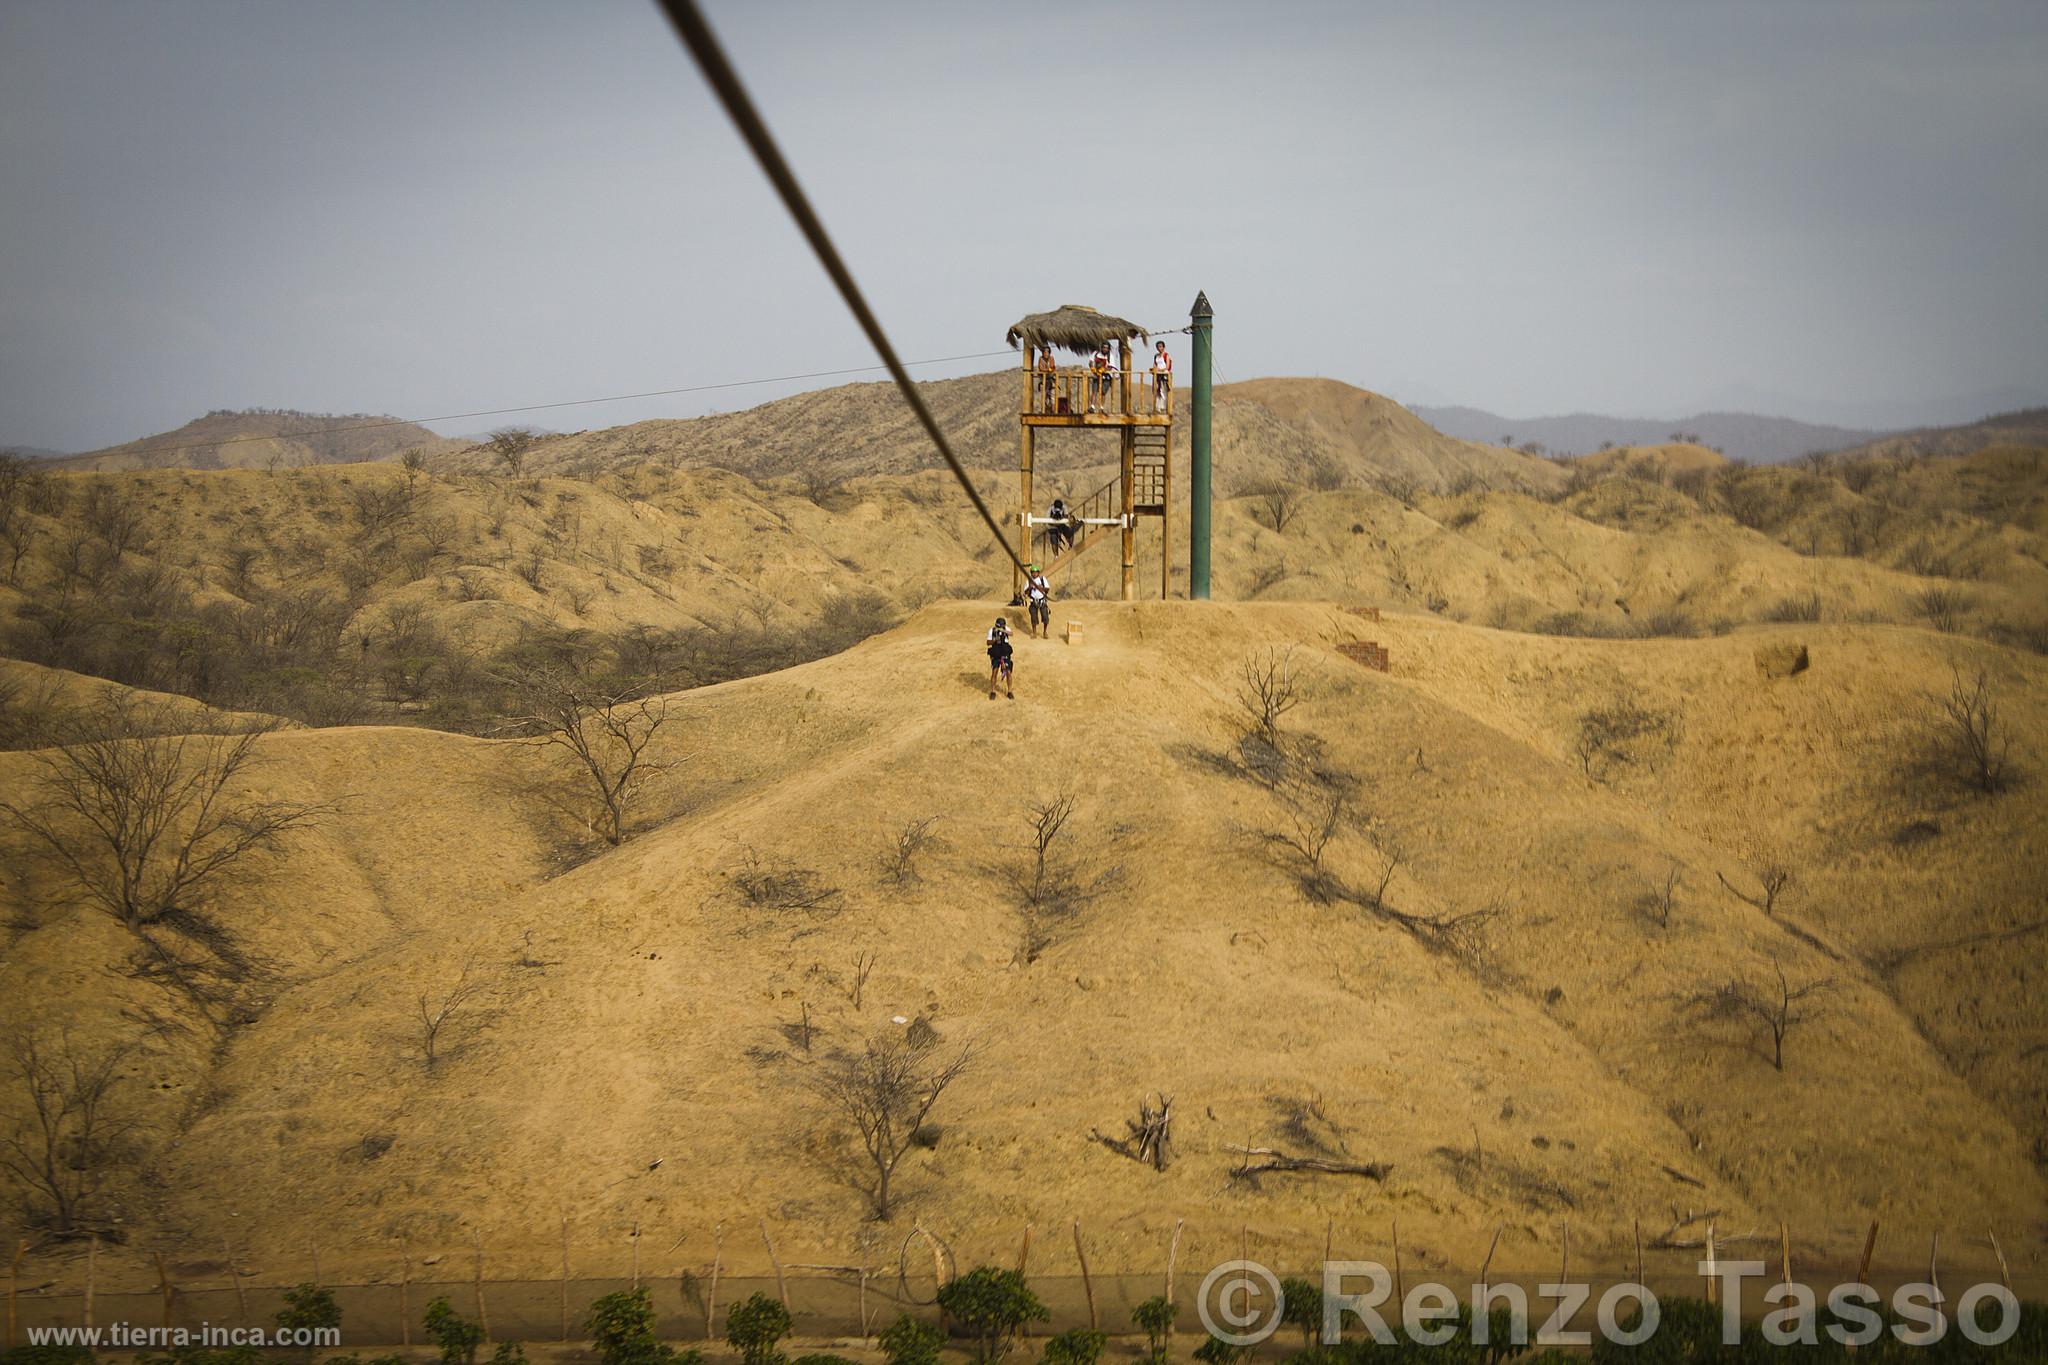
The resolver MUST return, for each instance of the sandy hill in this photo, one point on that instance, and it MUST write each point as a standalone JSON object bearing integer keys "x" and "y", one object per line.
{"x": 2028, "y": 427}
{"x": 1312, "y": 431}
{"x": 263, "y": 439}
{"x": 1744, "y": 435}
{"x": 1508, "y": 1023}
{"x": 1656, "y": 463}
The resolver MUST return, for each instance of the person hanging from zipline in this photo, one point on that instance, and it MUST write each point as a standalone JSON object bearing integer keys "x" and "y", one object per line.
{"x": 1038, "y": 593}
{"x": 1060, "y": 535}
{"x": 999, "y": 656}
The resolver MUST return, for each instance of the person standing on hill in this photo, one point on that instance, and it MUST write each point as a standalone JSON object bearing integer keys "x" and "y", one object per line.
{"x": 1038, "y": 593}
{"x": 1000, "y": 654}
{"x": 1162, "y": 377}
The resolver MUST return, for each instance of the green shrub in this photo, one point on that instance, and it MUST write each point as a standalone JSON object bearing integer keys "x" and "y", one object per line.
{"x": 1081, "y": 1346}
{"x": 621, "y": 1327}
{"x": 754, "y": 1326}
{"x": 457, "y": 1337}
{"x": 992, "y": 1305}
{"x": 907, "y": 1341}
{"x": 822, "y": 1358}
{"x": 49, "y": 1355}
{"x": 308, "y": 1308}
{"x": 1217, "y": 1351}
{"x": 1301, "y": 1305}
{"x": 1154, "y": 1317}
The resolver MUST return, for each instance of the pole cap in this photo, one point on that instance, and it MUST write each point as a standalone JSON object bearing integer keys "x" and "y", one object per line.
{"x": 1201, "y": 308}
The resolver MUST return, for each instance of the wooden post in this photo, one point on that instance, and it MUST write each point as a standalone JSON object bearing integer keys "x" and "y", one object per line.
{"x": 1172, "y": 1254}
{"x": 781, "y": 1286}
{"x": 14, "y": 1291}
{"x": 711, "y": 1299}
{"x": 1400, "y": 1295}
{"x": 1087, "y": 1285}
{"x": 1636, "y": 1225}
{"x": 636, "y": 1253}
{"x": 1490, "y": 1247}
{"x": 483, "y": 1317}
{"x": 1869, "y": 1246}
{"x": 2006, "y": 1273}
{"x": 1713, "y": 1280}
{"x": 404, "y": 1293}
{"x": 863, "y": 1303}
{"x": 1123, "y": 371}
{"x": 163, "y": 1284}
{"x": 315, "y": 1251}
{"x": 235, "y": 1273}
{"x": 1025, "y": 438}
{"x": 1024, "y": 1251}
{"x": 1564, "y": 1260}
{"x": 1933, "y": 1268}
{"x": 1130, "y": 456}
{"x": 92, "y": 1259}
{"x": 565, "y": 1278}
{"x": 1784, "y": 1253}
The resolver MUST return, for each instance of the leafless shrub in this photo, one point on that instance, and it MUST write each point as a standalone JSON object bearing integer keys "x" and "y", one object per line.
{"x": 378, "y": 509}
{"x": 912, "y": 842}
{"x": 771, "y": 884}
{"x": 31, "y": 710}
{"x": 1270, "y": 684}
{"x": 1053, "y": 882}
{"x": 1971, "y": 738}
{"x": 1264, "y": 576}
{"x": 1943, "y": 607}
{"x": 1311, "y": 819}
{"x": 1772, "y": 877}
{"x": 1655, "y": 905}
{"x": 884, "y": 1094}
{"x": 607, "y": 730}
{"x": 1777, "y": 1007}
{"x": 73, "y": 1134}
{"x": 1787, "y": 609}
{"x": 863, "y": 968}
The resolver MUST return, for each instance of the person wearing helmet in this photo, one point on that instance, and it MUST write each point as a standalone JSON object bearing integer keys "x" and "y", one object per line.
{"x": 1038, "y": 593}
{"x": 999, "y": 655}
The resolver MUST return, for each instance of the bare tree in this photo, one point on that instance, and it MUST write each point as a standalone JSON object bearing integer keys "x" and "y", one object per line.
{"x": 71, "y": 1136}
{"x": 1778, "y": 1007}
{"x": 1772, "y": 877}
{"x": 1275, "y": 503}
{"x": 147, "y": 823}
{"x": 414, "y": 463}
{"x": 1270, "y": 685}
{"x": 899, "y": 863}
{"x": 1971, "y": 735}
{"x": 884, "y": 1093}
{"x": 1656, "y": 904}
{"x": 439, "y": 1011}
{"x": 606, "y": 729}
{"x": 1312, "y": 821}
{"x": 1050, "y": 880}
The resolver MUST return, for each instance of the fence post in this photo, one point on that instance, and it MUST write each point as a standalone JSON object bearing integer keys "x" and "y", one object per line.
{"x": 2004, "y": 1271}
{"x": 711, "y": 1299}
{"x": 636, "y": 1253}
{"x": 1400, "y": 1294}
{"x": 92, "y": 1258}
{"x": 404, "y": 1293}
{"x": 781, "y": 1285}
{"x": 1087, "y": 1285}
{"x": 235, "y": 1274}
{"x": 565, "y": 1278}
{"x": 14, "y": 1290}
{"x": 1869, "y": 1247}
{"x": 163, "y": 1283}
{"x": 1172, "y": 1254}
{"x": 483, "y": 1317}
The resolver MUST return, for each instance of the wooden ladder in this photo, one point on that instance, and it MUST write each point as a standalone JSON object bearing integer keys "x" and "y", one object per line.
{"x": 1148, "y": 470}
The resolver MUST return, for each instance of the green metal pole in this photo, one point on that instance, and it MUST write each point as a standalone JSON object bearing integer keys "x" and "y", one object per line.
{"x": 1202, "y": 316}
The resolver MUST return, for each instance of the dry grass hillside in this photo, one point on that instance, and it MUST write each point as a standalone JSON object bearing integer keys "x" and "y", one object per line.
{"x": 1481, "y": 918}
{"x": 266, "y": 438}
{"x": 1509, "y": 917}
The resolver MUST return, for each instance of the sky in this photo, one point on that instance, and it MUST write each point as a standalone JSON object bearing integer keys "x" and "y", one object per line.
{"x": 1634, "y": 207}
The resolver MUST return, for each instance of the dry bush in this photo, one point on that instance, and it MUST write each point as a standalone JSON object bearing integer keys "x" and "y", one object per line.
{"x": 1776, "y": 1006}
{"x": 910, "y": 844}
{"x": 448, "y": 1017}
{"x": 606, "y": 728}
{"x": 1971, "y": 740}
{"x": 773, "y": 884}
{"x": 1788, "y": 609}
{"x": 884, "y": 1094}
{"x": 1053, "y": 880}
{"x": 1942, "y": 607}
{"x": 1621, "y": 732}
{"x": 1274, "y": 503}
{"x": 1270, "y": 684}
{"x": 73, "y": 1135}
{"x": 1311, "y": 819}
{"x": 509, "y": 445}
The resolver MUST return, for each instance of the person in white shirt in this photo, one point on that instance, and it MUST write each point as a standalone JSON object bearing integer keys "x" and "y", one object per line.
{"x": 1038, "y": 593}
{"x": 1162, "y": 377}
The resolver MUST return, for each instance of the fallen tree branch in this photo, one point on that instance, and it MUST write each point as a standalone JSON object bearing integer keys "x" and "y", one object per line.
{"x": 1277, "y": 1161}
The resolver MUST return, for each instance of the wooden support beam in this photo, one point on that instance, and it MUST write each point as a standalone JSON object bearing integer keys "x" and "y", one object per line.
{"x": 1130, "y": 453}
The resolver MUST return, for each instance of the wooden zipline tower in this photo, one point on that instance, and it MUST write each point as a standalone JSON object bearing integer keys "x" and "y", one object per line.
{"x": 1129, "y": 398}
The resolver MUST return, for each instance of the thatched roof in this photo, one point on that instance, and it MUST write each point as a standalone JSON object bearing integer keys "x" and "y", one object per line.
{"x": 1071, "y": 327}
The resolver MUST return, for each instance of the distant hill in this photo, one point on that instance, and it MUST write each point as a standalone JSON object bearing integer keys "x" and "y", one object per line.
{"x": 264, "y": 438}
{"x": 33, "y": 452}
{"x": 2028, "y": 427}
{"x": 1312, "y": 431}
{"x": 1742, "y": 435}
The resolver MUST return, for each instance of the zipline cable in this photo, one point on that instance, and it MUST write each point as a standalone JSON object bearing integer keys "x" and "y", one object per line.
{"x": 725, "y": 82}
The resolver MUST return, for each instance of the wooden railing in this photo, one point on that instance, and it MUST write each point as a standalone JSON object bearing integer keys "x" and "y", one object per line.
{"x": 1080, "y": 390}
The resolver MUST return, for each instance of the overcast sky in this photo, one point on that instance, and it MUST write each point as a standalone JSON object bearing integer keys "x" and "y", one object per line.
{"x": 432, "y": 208}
